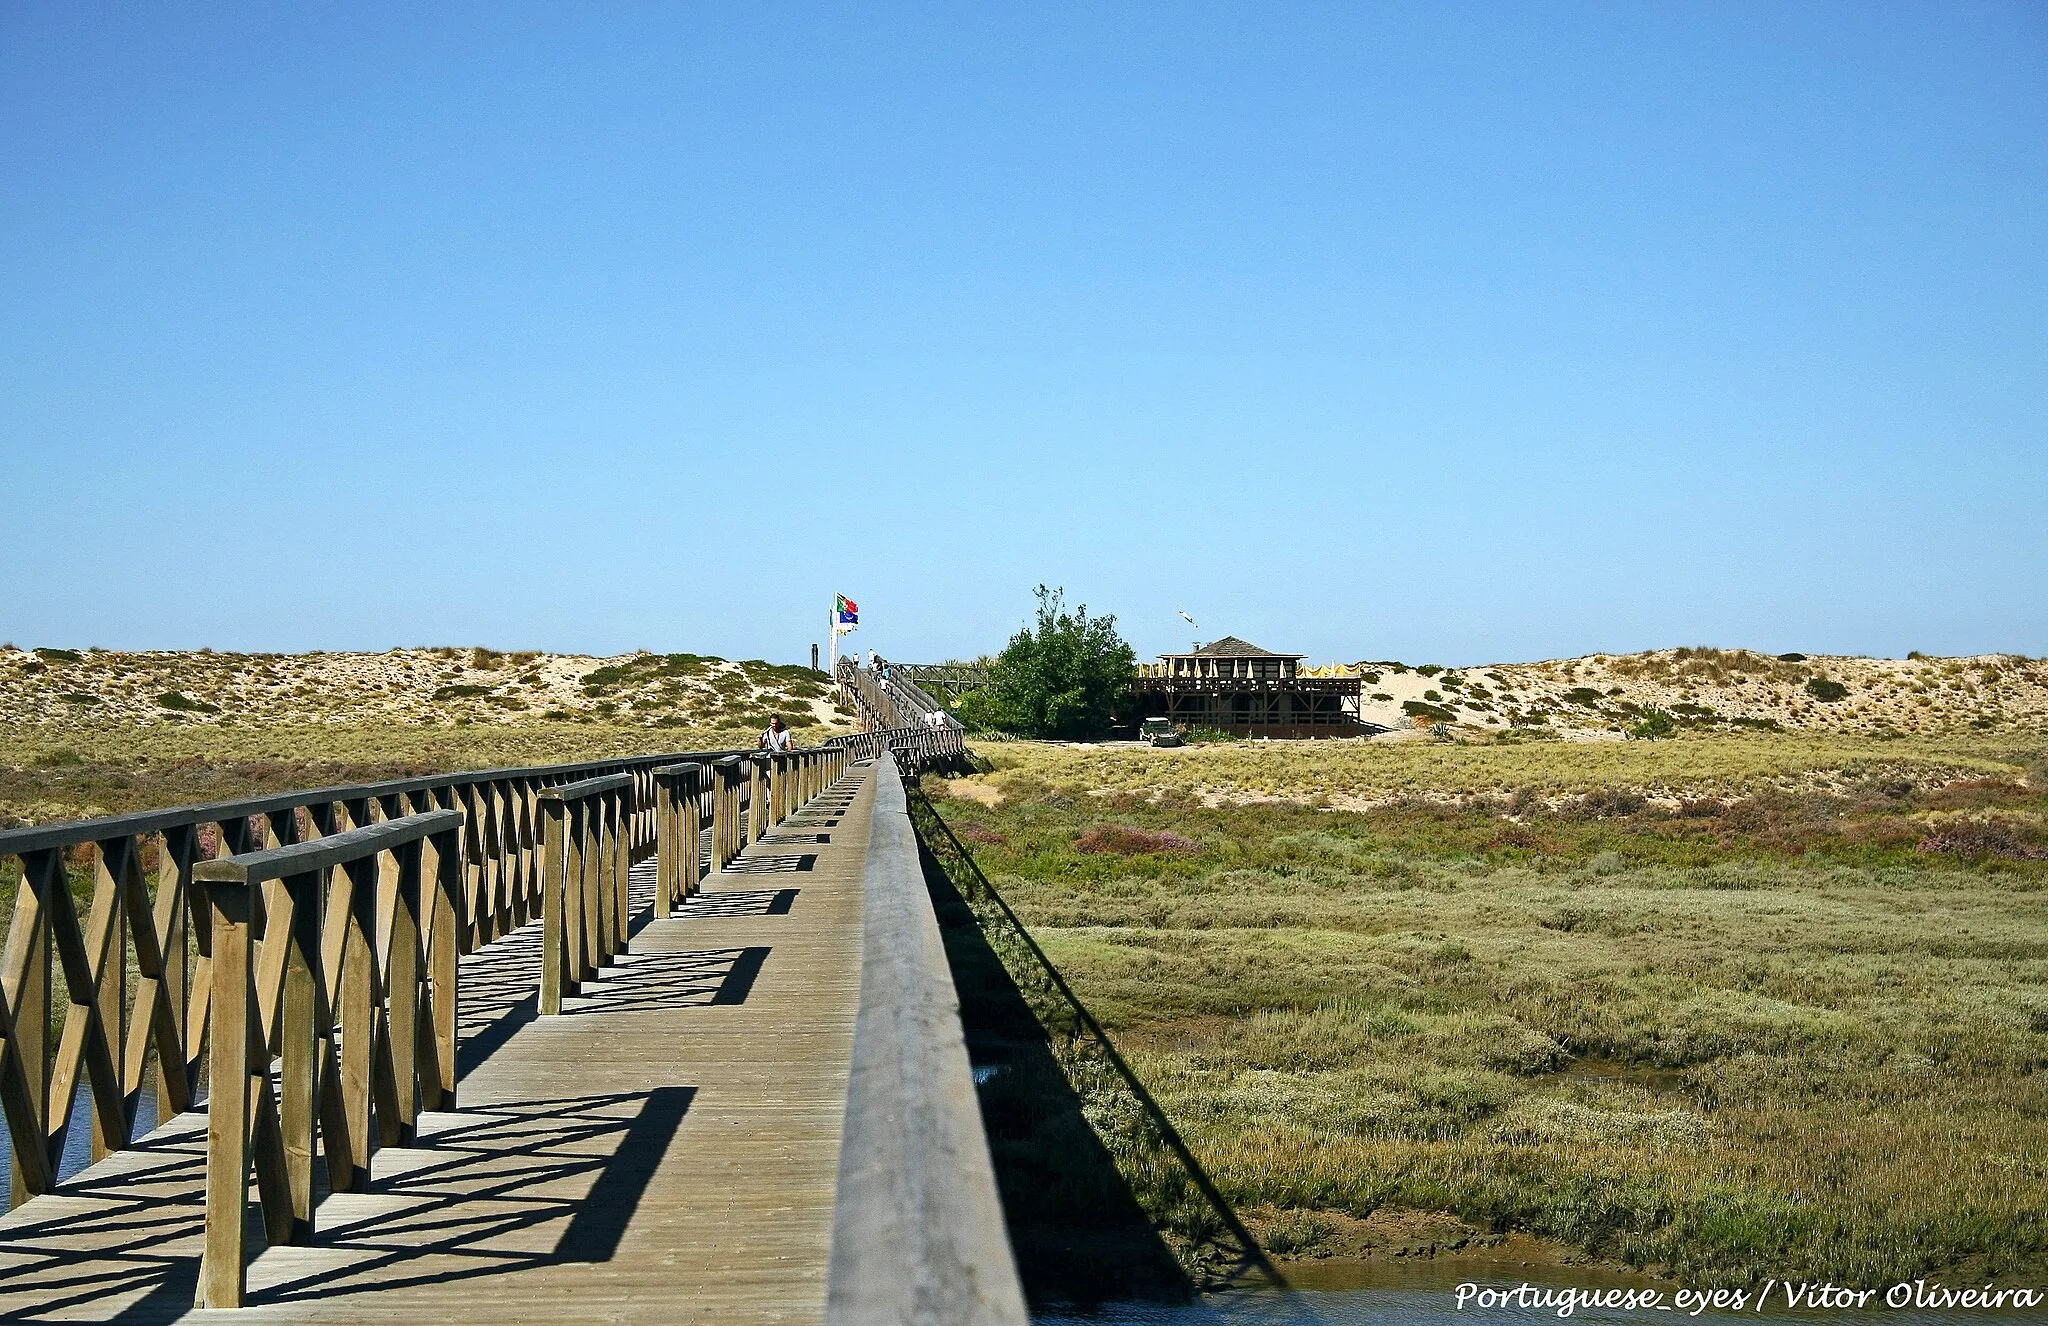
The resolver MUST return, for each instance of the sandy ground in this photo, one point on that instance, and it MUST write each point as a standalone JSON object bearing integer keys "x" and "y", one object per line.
{"x": 1597, "y": 696}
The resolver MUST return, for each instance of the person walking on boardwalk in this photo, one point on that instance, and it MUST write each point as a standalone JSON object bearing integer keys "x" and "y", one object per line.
{"x": 776, "y": 739}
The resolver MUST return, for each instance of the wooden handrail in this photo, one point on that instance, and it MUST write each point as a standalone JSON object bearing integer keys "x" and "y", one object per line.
{"x": 586, "y": 861}
{"x": 138, "y": 968}
{"x": 679, "y": 791}
{"x": 319, "y": 977}
{"x": 917, "y": 1224}
{"x": 774, "y": 785}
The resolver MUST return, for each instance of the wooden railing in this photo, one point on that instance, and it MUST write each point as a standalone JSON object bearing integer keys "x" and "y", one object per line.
{"x": 917, "y": 1225}
{"x": 354, "y": 989}
{"x": 728, "y": 796}
{"x": 679, "y": 791}
{"x": 898, "y": 704}
{"x": 586, "y": 859}
{"x": 132, "y": 982}
{"x": 915, "y": 748}
{"x": 322, "y": 928}
{"x": 952, "y": 680}
{"x": 901, "y": 719}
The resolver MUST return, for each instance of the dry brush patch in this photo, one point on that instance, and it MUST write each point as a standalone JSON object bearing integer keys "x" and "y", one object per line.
{"x": 51, "y": 773}
{"x": 1777, "y": 1031}
{"x": 1367, "y": 774}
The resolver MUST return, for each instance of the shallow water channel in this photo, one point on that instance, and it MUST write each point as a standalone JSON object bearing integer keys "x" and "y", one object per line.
{"x": 77, "y": 1140}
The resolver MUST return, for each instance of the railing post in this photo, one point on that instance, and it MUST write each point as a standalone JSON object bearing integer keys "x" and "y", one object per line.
{"x": 300, "y": 1044}
{"x": 555, "y": 968}
{"x": 358, "y": 1012}
{"x": 224, "y": 1276}
{"x": 602, "y": 836}
{"x": 667, "y": 832}
{"x": 583, "y": 917}
{"x": 444, "y": 945}
{"x": 691, "y": 804}
{"x": 402, "y": 992}
{"x": 28, "y": 1119}
{"x": 622, "y": 867}
{"x": 757, "y": 798}
{"x": 724, "y": 811}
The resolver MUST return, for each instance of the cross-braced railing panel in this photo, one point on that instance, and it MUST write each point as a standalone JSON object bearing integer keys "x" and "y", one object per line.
{"x": 336, "y": 956}
{"x": 107, "y": 970}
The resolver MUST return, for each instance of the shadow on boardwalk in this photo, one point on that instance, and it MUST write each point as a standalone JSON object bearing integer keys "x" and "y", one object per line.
{"x": 502, "y": 1187}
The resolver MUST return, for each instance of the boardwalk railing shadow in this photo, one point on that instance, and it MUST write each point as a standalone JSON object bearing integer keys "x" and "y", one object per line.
{"x": 740, "y": 902}
{"x": 1079, "y": 1233}
{"x": 648, "y": 982}
{"x": 500, "y": 1188}
{"x": 1046, "y": 1051}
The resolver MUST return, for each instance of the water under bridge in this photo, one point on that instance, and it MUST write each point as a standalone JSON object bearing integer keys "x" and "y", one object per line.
{"x": 671, "y": 1038}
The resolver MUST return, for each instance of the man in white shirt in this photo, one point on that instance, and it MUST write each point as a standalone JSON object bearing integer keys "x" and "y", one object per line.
{"x": 776, "y": 740}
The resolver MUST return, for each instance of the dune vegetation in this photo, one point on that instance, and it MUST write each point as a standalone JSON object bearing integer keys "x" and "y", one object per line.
{"x": 1724, "y": 1008}
{"x": 56, "y": 688}
{"x": 93, "y": 732}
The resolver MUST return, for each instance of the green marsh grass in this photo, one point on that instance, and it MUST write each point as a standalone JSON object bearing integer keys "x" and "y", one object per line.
{"x": 1759, "y": 1032}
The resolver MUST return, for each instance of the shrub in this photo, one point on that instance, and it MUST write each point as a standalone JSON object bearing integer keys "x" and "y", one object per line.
{"x": 1653, "y": 725}
{"x": 459, "y": 691}
{"x": 1067, "y": 676}
{"x": 1791, "y": 658}
{"x": 1123, "y": 840}
{"x": 1421, "y": 709}
{"x": 178, "y": 700}
{"x": 60, "y": 655}
{"x": 600, "y": 677}
{"x": 1583, "y": 695}
{"x": 1430, "y": 669}
{"x": 1820, "y": 688}
{"x": 485, "y": 659}
{"x": 983, "y": 836}
{"x": 1977, "y": 839}
{"x": 1603, "y": 804}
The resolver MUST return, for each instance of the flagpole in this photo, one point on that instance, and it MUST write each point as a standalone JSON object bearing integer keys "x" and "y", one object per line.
{"x": 832, "y": 629}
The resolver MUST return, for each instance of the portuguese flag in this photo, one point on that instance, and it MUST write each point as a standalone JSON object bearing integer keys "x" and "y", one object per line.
{"x": 848, "y": 611}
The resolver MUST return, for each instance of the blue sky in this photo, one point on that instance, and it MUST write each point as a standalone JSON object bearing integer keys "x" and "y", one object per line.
{"x": 1453, "y": 332}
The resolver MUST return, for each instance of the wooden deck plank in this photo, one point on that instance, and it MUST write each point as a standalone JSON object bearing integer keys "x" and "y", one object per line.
{"x": 665, "y": 1150}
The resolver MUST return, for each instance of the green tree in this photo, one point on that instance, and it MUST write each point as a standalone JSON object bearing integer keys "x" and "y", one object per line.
{"x": 1065, "y": 677}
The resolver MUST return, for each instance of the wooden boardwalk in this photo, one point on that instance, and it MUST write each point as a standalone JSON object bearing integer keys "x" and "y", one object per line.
{"x": 667, "y": 1150}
